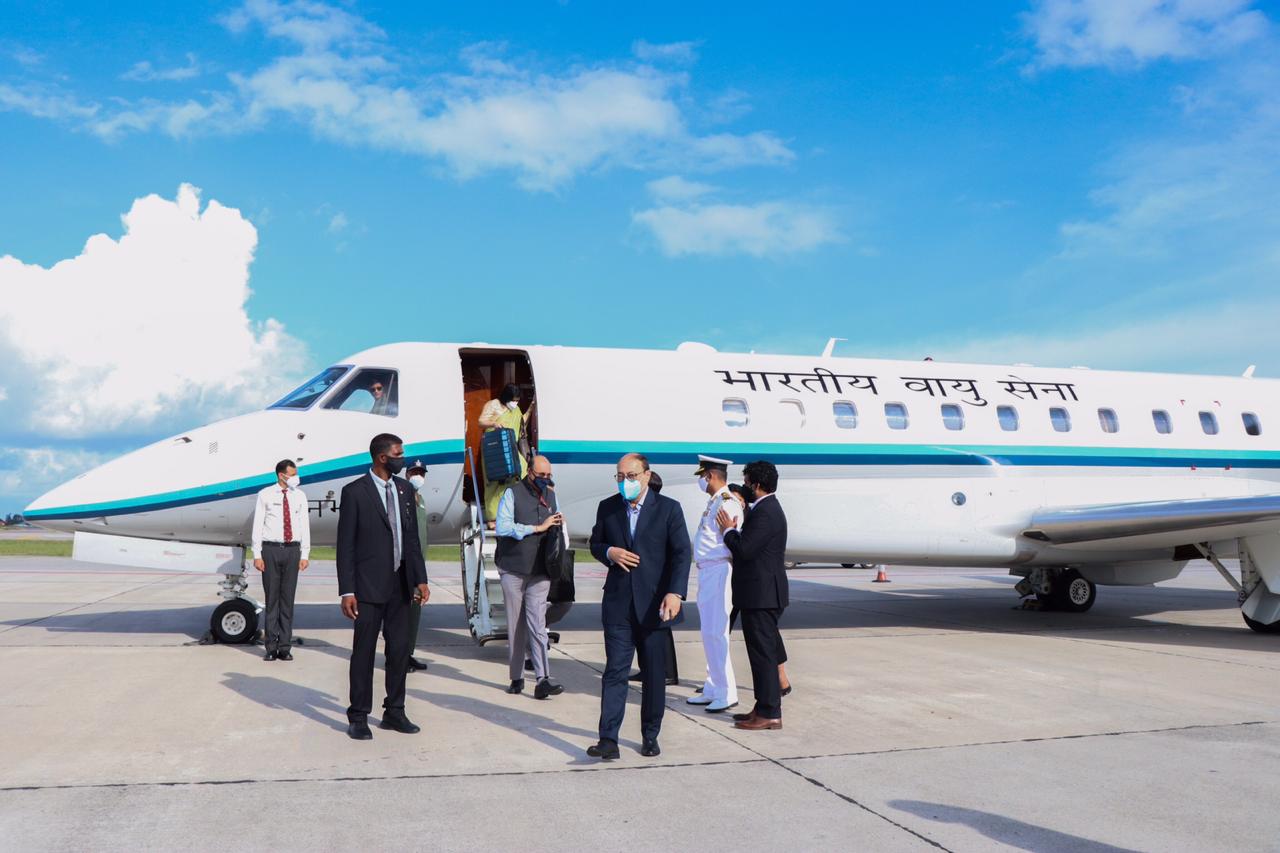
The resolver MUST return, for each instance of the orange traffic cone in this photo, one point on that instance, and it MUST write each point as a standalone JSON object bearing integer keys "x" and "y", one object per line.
{"x": 881, "y": 575}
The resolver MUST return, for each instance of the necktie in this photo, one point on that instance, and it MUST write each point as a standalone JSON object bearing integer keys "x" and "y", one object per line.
{"x": 395, "y": 529}
{"x": 288, "y": 521}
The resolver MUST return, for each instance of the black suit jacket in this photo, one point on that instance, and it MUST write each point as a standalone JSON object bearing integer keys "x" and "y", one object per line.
{"x": 759, "y": 552}
{"x": 365, "y": 547}
{"x": 661, "y": 540}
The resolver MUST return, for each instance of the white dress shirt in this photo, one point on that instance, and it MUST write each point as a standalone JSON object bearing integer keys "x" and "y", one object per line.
{"x": 268, "y": 520}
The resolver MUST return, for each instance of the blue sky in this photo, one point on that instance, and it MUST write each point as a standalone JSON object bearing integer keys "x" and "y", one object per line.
{"x": 1056, "y": 181}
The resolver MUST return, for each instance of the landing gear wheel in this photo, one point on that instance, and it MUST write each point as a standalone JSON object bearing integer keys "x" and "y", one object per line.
{"x": 1262, "y": 627}
{"x": 234, "y": 621}
{"x": 1072, "y": 592}
{"x": 847, "y": 565}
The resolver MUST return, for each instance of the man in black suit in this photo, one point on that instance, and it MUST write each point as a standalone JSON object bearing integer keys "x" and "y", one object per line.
{"x": 380, "y": 570}
{"x": 760, "y": 589}
{"x": 642, "y": 537}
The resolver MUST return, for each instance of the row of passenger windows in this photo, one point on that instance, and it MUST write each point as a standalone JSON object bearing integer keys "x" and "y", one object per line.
{"x": 845, "y": 414}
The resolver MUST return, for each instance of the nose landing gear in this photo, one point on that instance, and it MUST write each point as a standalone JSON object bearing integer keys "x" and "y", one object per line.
{"x": 235, "y": 620}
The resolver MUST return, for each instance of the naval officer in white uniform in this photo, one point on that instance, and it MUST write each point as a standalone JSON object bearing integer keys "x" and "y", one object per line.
{"x": 715, "y": 597}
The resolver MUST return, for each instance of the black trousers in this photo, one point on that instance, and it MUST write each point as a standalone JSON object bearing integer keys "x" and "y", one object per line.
{"x": 279, "y": 586}
{"x": 391, "y": 619}
{"x": 764, "y": 651}
{"x": 622, "y": 643}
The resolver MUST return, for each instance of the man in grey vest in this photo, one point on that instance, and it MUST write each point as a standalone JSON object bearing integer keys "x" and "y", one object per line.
{"x": 527, "y": 515}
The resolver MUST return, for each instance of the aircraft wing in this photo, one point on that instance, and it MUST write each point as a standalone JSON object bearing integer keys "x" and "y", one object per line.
{"x": 1169, "y": 522}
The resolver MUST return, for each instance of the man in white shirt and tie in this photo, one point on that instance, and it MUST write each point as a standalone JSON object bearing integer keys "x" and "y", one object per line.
{"x": 281, "y": 549}
{"x": 715, "y": 602}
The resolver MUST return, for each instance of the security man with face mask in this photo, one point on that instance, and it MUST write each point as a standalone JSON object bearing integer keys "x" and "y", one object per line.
{"x": 527, "y": 515}
{"x": 417, "y": 477}
{"x": 281, "y": 549}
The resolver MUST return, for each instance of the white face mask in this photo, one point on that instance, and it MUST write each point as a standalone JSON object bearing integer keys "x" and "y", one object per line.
{"x": 418, "y": 481}
{"x": 293, "y": 481}
{"x": 702, "y": 484}
{"x": 513, "y": 405}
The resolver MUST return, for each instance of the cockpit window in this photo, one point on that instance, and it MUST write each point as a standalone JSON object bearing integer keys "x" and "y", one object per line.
{"x": 373, "y": 390}
{"x": 305, "y": 396}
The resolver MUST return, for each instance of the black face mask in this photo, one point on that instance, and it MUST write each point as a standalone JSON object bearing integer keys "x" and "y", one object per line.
{"x": 543, "y": 483}
{"x": 395, "y": 464}
{"x": 750, "y": 493}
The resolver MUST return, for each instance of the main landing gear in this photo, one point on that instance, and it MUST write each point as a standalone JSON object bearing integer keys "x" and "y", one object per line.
{"x": 1060, "y": 589}
{"x": 1259, "y": 575}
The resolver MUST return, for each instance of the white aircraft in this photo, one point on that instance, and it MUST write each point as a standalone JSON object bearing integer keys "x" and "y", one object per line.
{"x": 1070, "y": 478}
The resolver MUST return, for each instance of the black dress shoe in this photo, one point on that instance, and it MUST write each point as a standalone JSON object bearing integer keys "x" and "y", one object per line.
{"x": 553, "y": 636}
{"x": 517, "y": 686}
{"x": 673, "y": 682}
{"x": 285, "y": 656}
{"x": 786, "y": 690}
{"x": 605, "y": 749}
{"x": 359, "y": 731}
{"x": 416, "y": 665}
{"x": 270, "y": 656}
{"x": 528, "y": 665}
{"x": 546, "y": 687}
{"x": 650, "y": 749}
{"x": 636, "y": 676}
{"x": 398, "y": 722}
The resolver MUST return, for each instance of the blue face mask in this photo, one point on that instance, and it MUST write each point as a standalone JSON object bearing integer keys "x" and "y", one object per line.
{"x": 629, "y": 489}
{"x": 543, "y": 483}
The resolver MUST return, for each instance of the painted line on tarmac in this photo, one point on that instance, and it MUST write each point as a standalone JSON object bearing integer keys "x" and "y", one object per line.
{"x": 82, "y": 605}
{"x": 1043, "y": 739}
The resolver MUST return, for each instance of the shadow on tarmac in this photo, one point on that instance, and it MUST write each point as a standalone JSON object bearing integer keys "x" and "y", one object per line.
{"x": 1006, "y": 830}
{"x": 286, "y": 696}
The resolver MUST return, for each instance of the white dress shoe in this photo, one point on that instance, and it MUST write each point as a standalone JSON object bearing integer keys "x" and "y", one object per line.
{"x": 718, "y": 707}
{"x": 698, "y": 699}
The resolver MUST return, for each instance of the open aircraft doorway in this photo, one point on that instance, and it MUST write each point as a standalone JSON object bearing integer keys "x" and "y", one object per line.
{"x": 485, "y": 373}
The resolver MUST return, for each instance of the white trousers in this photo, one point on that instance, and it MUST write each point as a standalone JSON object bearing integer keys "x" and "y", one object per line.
{"x": 715, "y": 601}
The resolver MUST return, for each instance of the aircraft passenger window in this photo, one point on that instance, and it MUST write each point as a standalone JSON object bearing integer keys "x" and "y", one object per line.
{"x": 1164, "y": 424}
{"x": 305, "y": 395}
{"x": 373, "y": 391}
{"x": 1108, "y": 420}
{"x": 796, "y": 407}
{"x": 1252, "y": 425}
{"x": 1209, "y": 423}
{"x": 1008, "y": 416}
{"x": 846, "y": 414}
{"x": 896, "y": 415}
{"x": 952, "y": 416}
{"x": 735, "y": 412}
{"x": 1060, "y": 418}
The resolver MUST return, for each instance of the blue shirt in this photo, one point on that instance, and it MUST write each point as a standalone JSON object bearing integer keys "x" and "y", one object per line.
{"x": 382, "y": 486}
{"x": 633, "y": 512}
{"x": 506, "y": 524}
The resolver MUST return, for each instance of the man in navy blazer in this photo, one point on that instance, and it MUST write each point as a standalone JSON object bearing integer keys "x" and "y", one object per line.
{"x": 380, "y": 570}
{"x": 642, "y": 537}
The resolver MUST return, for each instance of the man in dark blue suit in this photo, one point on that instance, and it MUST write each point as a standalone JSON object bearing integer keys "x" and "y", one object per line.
{"x": 642, "y": 537}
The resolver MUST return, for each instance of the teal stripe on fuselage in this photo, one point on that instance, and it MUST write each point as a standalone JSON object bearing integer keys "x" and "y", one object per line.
{"x": 429, "y": 452}
{"x": 679, "y": 453}
{"x": 686, "y": 453}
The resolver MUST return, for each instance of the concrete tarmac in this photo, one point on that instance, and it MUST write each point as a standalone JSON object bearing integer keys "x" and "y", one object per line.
{"x": 928, "y": 713}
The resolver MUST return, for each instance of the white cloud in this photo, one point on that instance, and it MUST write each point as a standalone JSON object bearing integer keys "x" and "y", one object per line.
{"x": 139, "y": 334}
{"x": 339, "y": 75}
{"x": 26, "y": 56}
{"x": 1223, "y": 339}
{"x": 145, "y": 72}
{"x": 676, "y": 51}
{"x": 676, "y": 188}
{"x": 1077, "y": 33}
{"x": 338, "y": 222}
{"x": 761, "y": 230}
{"x": 44, "y": 104}
{"x": 29, "y": 471}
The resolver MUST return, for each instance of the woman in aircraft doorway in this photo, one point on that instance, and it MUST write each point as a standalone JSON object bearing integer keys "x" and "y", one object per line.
{"x": 501, "y": 413}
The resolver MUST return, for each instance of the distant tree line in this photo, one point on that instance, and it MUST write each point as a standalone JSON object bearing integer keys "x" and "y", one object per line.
{"x": 13, "y": 520}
